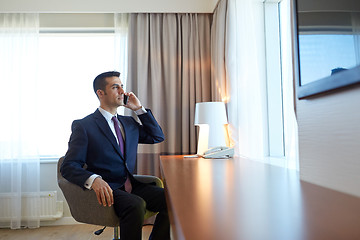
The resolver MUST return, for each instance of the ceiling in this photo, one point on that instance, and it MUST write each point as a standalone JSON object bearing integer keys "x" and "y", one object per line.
{"x": 108, "y": 6}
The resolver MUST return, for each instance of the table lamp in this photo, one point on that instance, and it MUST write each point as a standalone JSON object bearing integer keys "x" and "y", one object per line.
{"x": 210, "y": 117}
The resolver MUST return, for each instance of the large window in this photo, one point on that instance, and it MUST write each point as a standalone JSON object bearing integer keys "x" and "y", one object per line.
{"x": 274, "y": 80}
{"x": 68, "y": 64}
{"x": 281, "y": 117}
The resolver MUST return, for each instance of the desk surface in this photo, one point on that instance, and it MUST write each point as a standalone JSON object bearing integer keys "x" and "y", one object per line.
{"x": 242, "y": 199}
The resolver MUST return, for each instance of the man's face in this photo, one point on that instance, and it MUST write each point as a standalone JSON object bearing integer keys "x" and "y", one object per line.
{"x": 114, "y": 93}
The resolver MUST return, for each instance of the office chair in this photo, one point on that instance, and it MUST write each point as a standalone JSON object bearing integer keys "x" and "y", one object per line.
{"x": 80, "y": 201}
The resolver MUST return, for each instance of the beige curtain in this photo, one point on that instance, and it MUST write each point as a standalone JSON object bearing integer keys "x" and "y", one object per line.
{"x": 219, "y": 89}
{"x": 169, "y": 70}
{"x": 220, "y": 86}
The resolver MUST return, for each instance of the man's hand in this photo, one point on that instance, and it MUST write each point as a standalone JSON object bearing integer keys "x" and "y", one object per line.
{"x": 133, "y": 102}
{"x": 103, "y": 192}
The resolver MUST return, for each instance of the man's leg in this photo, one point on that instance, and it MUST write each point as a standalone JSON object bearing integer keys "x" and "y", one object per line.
{"x": 130, "y": 209}
{"x": 155, "y": 201}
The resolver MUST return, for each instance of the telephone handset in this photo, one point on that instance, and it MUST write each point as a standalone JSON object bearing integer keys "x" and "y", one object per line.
{"x": 219, "y": 152}
{"x": 126, "y": 98}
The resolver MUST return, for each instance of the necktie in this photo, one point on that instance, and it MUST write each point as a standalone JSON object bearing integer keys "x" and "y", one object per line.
{"x": 128, "y": 186}
{"x": 118, "y": 134}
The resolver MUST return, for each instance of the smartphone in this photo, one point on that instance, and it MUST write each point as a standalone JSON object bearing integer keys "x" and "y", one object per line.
{"x": 126, "y": 99}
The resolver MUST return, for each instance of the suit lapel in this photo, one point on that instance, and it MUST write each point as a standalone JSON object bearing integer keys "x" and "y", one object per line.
{"x": 105, "y": 129}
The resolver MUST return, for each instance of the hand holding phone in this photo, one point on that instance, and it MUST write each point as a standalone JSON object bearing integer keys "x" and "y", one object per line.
{"x": 131, "y": 101}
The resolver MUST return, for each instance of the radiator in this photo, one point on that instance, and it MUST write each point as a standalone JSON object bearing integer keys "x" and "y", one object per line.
{"x": 50, "y": 207}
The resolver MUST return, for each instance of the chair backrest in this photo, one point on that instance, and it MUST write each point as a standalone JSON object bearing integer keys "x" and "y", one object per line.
{"x": 83, "y": 203}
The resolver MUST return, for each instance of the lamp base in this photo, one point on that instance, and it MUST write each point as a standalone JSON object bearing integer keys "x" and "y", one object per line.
{"x": 203, "y": 139}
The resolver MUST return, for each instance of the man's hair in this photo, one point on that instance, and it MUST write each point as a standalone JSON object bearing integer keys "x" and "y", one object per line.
{"x": 100, "y": 80}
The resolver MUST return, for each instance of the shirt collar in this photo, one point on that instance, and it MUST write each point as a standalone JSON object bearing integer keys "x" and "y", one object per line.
{"x": 106, "y": 114}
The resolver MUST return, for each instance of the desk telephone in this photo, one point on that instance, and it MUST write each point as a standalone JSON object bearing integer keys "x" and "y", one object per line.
{"x": 219, "y": 152}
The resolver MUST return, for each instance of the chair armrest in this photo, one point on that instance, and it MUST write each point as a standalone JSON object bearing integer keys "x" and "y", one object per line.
{"x": 149, "y": 179}
{"x": 84, "y": 206}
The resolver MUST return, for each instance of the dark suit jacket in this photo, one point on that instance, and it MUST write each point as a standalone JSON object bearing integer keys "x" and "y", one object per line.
{"x": 92, "y": 142}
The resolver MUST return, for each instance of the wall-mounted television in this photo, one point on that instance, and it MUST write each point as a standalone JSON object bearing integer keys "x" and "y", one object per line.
{"x": 327, "y": 45}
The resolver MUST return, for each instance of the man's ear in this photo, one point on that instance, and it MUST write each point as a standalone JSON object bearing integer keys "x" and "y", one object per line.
{"x": 99, "y": 93}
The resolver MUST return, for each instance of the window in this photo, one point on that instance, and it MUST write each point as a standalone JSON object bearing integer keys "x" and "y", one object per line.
{"x": 281, "y": 116}
{"x": 68, "y": 63}
{"x": 274, "y": 79}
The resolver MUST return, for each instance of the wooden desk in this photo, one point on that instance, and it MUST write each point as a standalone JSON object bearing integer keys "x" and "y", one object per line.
{"x": 243, "y": 199}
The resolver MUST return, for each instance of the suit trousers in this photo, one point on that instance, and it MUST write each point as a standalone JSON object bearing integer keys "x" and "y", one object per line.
{"x": 131, "y": 207}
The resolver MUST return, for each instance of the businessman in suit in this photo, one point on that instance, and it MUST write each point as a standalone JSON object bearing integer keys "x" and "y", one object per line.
{"x": 107, "y": 144}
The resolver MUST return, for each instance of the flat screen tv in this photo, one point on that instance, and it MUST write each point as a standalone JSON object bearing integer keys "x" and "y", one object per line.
{"x": 327, "y": 45}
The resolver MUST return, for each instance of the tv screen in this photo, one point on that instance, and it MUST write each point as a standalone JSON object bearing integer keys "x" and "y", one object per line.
{"x": 328, "y": 35}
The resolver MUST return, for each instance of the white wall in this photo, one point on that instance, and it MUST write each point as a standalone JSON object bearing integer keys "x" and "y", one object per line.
{"x": 329, "y": 140}
{"x": 108, "y": 6}
{"x": 329, "y": 129}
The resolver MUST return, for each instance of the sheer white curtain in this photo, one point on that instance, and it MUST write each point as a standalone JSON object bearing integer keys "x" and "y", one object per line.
{"x": 245, "y": 63}
{"x": 290, "y": 124}
{"x": 239, "y": 77}
{"x": 121, "y": 44}
{"x": 121, "y": 23}
{"x": 19, "y": 160}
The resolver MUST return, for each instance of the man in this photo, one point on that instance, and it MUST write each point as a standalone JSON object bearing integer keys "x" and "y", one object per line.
{"x": 107, "y": 143}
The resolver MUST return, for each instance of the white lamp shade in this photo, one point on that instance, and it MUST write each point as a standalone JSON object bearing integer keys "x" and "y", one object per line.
{"x": 210, "y": 117}
{"x": 210, "y": 113}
